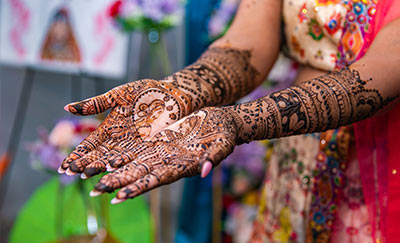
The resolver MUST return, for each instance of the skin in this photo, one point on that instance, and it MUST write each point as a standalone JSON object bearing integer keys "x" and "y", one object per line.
{"x": 231, "y": 68}
{"x": 204, "y": 138}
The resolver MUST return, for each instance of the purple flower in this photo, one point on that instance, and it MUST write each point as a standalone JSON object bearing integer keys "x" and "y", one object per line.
{"x": 47, "y": 153}
{"x": 50, "y": 156}
{"x": 170, "y": 6}
{"x": 221, "y": 17}
{"x": 148, "y": 14}
{"x": 248, "y": 157}
{"x": 158, "y": 9}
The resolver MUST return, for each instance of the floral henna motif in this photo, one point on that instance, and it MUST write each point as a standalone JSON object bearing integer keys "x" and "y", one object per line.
{"x": 330, "y": 101}
{"x": 177, "y": 151}
{"x": 209, "y": 135}
{"x": 141, "y": 109}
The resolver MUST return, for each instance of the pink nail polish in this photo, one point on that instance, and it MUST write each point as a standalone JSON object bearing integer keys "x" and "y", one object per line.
{"x": 116, "y": 200}
{"x": 66, "y": 108}
{"x": 206, "y": 169}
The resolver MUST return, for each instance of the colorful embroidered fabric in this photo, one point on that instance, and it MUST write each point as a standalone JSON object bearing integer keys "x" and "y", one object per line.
{"x": 286, "y": 195}
{"x": 243, "y": 171}
{"x": 326, "y": 35}
{"x": 313, "y": 30}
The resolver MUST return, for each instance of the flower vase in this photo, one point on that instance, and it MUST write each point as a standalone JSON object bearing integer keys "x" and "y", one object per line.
{"x": 96, "y": 210}
{"x": 155, "y": 64}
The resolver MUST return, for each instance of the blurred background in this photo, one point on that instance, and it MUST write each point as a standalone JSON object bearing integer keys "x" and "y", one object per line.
{"x": 53, "y": 52}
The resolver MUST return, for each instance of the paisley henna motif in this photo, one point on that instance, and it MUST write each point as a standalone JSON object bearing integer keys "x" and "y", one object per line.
{"x": 209, "y": 135}
{"x": 330, "y": 101}
{"x": 145, "y": 137}
{"x": 142, "y": 108}
{"x": 177, "y": 151}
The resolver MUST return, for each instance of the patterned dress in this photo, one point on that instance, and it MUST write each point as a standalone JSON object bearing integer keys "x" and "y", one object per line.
{"x": 312, "y": 190}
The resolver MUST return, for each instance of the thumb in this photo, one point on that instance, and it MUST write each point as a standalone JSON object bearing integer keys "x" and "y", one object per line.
{"x": 218, "y": 151}
{"x": 94, "y": 105}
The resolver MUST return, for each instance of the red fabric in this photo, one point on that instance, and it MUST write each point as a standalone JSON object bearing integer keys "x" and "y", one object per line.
{"x": 378, "y": 150}
{"x": 393, "y": 220}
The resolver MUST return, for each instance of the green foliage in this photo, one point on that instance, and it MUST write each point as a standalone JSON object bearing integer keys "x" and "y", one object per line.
{"x": 37, "y": 221}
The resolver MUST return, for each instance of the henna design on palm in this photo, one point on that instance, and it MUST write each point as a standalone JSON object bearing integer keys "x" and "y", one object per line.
{"x": 142, "y": 108}
{"x": 207, "y": 136}
{"x": 177, "y": 151}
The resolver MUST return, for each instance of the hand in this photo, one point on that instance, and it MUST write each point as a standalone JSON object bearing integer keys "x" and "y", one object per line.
{"x": 139, "y": 110}
{"x": 200, "y": 140}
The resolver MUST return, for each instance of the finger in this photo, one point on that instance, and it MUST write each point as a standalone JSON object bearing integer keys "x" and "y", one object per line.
{"x": 96, "y": 167}
{"x": 152, "y": 180}
{"x": 122, "y": 177}
{"x": 117, "y": 157}
{"x": 93, "y": 140}
{"x": 80, "y": 164}
{"x": 88, "y": 144}
{"x": 121, "y": 158}
{"x": 205, "y": 170}
{"x": 94, "y": 105}
{"x": 158, "y": 177}
{"x": 219, "y": 150}
{"x": 124, "y": 155}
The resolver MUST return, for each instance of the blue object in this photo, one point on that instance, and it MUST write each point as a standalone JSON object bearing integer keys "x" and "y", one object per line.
{"x": 195, "y": 213}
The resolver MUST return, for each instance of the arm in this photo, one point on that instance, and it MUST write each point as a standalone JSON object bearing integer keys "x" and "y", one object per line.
{"x": 238, "y": 62}
{"x": 330, "y": 101}
{"x": 203, "y": 139}
{"x": 228, "y": 70}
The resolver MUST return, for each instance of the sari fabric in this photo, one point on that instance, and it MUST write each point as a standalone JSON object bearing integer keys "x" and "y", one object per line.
{"x": 377, "y": 141}
{"x": 322, "y": 188}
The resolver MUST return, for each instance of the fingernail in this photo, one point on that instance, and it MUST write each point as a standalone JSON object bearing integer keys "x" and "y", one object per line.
{"x": 94, "y": 193}
{"x": 66, "y": 108}
{"x": 207, "y": 166}
{"x": 60, "y": 170}
{"x": 84, "y": 176}
{"x": 109, "y": 168}
{"x": 116, "y": 200}
{"x": 70, "y": 172}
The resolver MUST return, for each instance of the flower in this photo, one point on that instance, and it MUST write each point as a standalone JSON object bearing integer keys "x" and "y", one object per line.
{"x": 222, "y": 17}
{"x": 50, "y": 149}
{"x": 248, "y": 157}
{"x": 62, "y": 134}
{"x": 115, "y": 8}
{"x": 146, "y": 14}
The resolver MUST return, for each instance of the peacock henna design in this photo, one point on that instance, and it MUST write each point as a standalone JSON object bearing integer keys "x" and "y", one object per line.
{"x": 142, "y": 108}
{"x": 210, "y": 134}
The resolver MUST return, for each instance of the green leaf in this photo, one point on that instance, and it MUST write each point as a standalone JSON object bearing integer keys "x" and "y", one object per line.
{"x": 36, "y": 222}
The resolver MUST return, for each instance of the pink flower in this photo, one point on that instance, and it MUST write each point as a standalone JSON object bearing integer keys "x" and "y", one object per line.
{"x": 63, "y": 134}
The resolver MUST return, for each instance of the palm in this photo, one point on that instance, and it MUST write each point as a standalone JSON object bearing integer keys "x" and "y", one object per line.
{"x": 177, "y": 151}
{"x": 139, "y": 110}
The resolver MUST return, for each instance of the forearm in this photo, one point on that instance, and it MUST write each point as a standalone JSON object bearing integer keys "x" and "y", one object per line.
{"x": 330, "y": 101}
{"x": 235, "y": 64}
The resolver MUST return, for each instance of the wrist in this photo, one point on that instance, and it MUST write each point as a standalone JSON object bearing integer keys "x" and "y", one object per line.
{"x": 220, "y": 76}
{"x": 250, "y": 120}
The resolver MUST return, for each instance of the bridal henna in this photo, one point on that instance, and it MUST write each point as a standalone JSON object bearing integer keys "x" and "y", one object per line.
{"x": 175, "y": 152}
{"x": 140, "y": 109}
{"x": 330, "y": 101}
{"x": 209, "y": 135}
